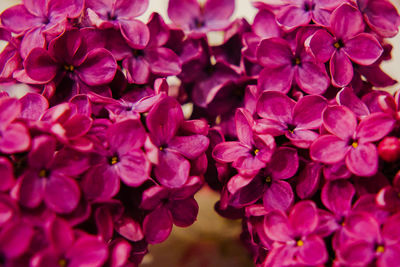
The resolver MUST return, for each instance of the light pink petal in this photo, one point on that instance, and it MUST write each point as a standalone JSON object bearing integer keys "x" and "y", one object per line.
{"x": 62, "y": 194}
{"x": 15, "y": 138}
{"x": 341, "y": 69}
{"x": 347, "y": 97}
{"x": 375, "y": 127}
{"x": 328, "y": 149}
{"x": 9, "y": 110}
{"x": 133, "y": 168}
{"x": 363, "y": 49}
{"x": 18, "y": 19}
{"x": 172, "y": 169}
{"x": 390, "y": 257}
{"x": 268, "y": 126}
{"x": 312, "y": 78}
{"x": 303, "y": 218}
{"x": 70, "y": 9}
{"x": 33, "y": 106}
{"x": 266, "y": 17}
{"x": 276, "y": 106}
{"x": 277, "y": 226}
{"x": 340, "y": 121}
{"x": 157, "y": 225}
{"x": 302, "y": 138}
{"x": 183, "y": 12}
{"x": 347, "y": 21}
{"x": 129, "y": 229}
{"x": 362, "y": 226}
{"x": 130, "y": 8}
{"x": 217, "y": 11}
{"x": 274, "y": 53}
{"x": 278, "y": 196}
{"x": 363, "y": 160}
{"x": 293, "y": 16}
{"x": 32, "y": 39}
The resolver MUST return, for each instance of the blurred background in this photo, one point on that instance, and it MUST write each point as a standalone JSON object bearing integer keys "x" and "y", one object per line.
{"x": 214, "y": 241}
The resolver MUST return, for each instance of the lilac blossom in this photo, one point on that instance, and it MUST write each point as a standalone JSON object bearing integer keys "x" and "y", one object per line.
{"x": 350, "y": 141}
{"x": 39, "y": 20}
{"x": 281, "y": 115}
{"x": 348, "y": 44}
{"x": 190, "y": 15}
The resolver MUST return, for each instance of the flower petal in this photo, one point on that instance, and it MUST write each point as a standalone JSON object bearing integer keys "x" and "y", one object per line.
{"x": 276, "y": 106}
{"x": 229, "y": 151}
{"x": 337, "y": 196}
{"x": 374, "y": 127}
{"x": 191, "y": 146}
{"x": 340, "y": 121}
{"x": 277, "y": 227}
{"x": 172, "y": 169}
{"x": 278, "y": 79}
{"x": 328, "y": 149}
{"x": 157, "y": 225}
{"x": 135, "y": 33}
{"x": 341, "y": 69}
{"x": 274, "y": 53}
{"x": 363, "y": 160}
{"x": 308, "y": 111}
{"x": 62, "y": 194}
{"x": 163, "y": 61}
{"x": 363, "y": 49}
{"x": 293, "y": 16}
{"x": 347, "y": 21}
{"x": 312, "y": 78}
{"x": 184, "y": 212}
{"x": 278, "y": 196}
{"x": 40, "y": 66}
{"x": 284, "y": 163}
{"x": 303, "y": 218}
{"x": 321, "y": 45}
{"x": 133, "y": 168}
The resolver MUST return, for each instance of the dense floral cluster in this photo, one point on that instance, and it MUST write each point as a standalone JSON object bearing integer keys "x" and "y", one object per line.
{"x": 98, "y": 159}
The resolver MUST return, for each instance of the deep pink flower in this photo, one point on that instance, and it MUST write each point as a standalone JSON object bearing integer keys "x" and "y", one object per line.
{"x": 350, "y": 141}
{"x": 348, "y": 43}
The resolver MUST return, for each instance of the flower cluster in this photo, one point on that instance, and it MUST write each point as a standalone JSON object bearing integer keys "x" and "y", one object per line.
{"x": 98, "y": 159}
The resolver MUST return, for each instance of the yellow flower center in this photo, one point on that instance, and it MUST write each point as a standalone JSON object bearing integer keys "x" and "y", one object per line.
{"x": 62, "y": 263}
{"x": 256, "y": 151}
{"x": 42, "y": 173}
{"x": 69, "y": 67}
{"x": 300, "y": 243}
{"x": 354, "y": 144}
{"x": 114, "y": 160}
{"x": 268, "y": 179}
{"x": 297, "y": 61}
{"x": 380, "y": 249}
{"x": 336, "y": 45}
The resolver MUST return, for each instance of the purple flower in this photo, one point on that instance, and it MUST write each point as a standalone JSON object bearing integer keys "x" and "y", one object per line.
{"x": 68, "y": 58}
{"x": 381, "y": 16}
{"x": 367, "y": 242}
{"x": 283, "y": 65}
{"x": 300, "y": 13}
{"x": 348, "y": 43}
{"x": 40, "y": 19}
{"x": 350, "y": 141}
{"x": 295, "y": 242}
{"x": 167, "y": 207}
{"x": 120, "y": 14}
{"x": 251, "y": 152}
{"x": 268, "y": 183}
{"x": 170, "y": 152}
{"x": 189, "y": 15}
{"x": 121, "y": 158}
{"x": 280, "y": 115}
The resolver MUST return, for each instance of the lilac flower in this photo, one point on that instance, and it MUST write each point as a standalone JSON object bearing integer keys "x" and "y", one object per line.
{"x": 388, "y": 197}
{"x": 170, "y": 152}
{"x": 349, "y": 141}
{"x": 367, "y": 242}
{"x": 300, "y": 13}
{"x": 295, "y": 242}
{"x": 282, "y": 115}
{"x": 69, "y": 58}
{"x": 189, "y": 15}
{"x": 251, "y": 152}
{"x": 122, "y": 158}
{"x": 120, "y": 14}
{"x": 348, "y": 43}
{"x": 381, "y": 16}
{"x": 268, "y": 183}
{"x": 389, "y": 149}
{"x": 40, "y": 19}
{"x": 10, "y": 59}
{"x": 14, "y": 136}
{"x": 169, "y": 206}
{"x": 283, "y": 65}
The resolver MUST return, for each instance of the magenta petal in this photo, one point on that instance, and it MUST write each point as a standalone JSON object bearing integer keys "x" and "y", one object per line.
{"x": 15, "y": 239}
{"x": 164, "y": 120}
{"x": 337, "y": 196}
{"x": 276, "y": 106}
{"x": 229, "y": 151}
{"x": 163, "y": 61}
{"x": 184, "y": 212}
{"x": 347, "y": 21}
{"x": 40, "y": 66}
{"x": 278, "y": 196}
{"x": 138, "y": 69}
{"x": 61, "y": 234}
{"x": 6, "y": 174}
{"x": 293, "y": 16}
{"x": 362, "y": 225}
{"x": 191, "y": 146}
{"x": 328, "y": 149}
{"x": 244, "y": 123}
{"x": 15, "y": 138}
{"x": 303, "y": 218}
{"x": 129, "y": 229}
{"x": 313, "y": 252}
{"x": 70, "y": 9}
{"x": 98, "y": 68}
{"x": 363, "y": 49}
{"x": 125, "y": 136}
{"x": 218, "y": 10}
{"x": 268, "y": 126}
{"x": 100, "y": 182}
{"x": 308, "y": 180}
{"x": 321, "y": 45}
{"x": 279, "y": 79}
{"x": 284, "y": 163}
{"x": 302, "y": 138}
{"x": 135, "y": 33}
{"x": 274, "y": 53}
{"x": 358, "y": 253}
{"x": 42, "y": 153}
{"x": 77, "y": 126}
{"x": 133, "y": 168}
{"x": 347, "y": 97}
{"x": 157, "y": 225}
{"x": 277, "y": 226}
{"x": 62, "y": 194}
{"x": 375, "y": 127}
{"x": 340, "y": 121}
{"x": 18, "y": 19}
{"x": 31, "y": 190}
{"x": 391, "y": 230}
{"x": 308, "y": 111}
{"x": 312, "y": 78}
{"x": 32, "y": 39}
{"x": 33, "y": 106}
{"x": 391, "y": 256}
{"x": 9, "y": 110}
{"x": 87, "y": 251}
{"x": 172, "y": 169}
{"x": 183, "y": 12}
{"x": 341, "y": 69}
{"x": 363, "y": 160}
{"x": 129, "y": 8}
{"x": 266, "y": 17}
